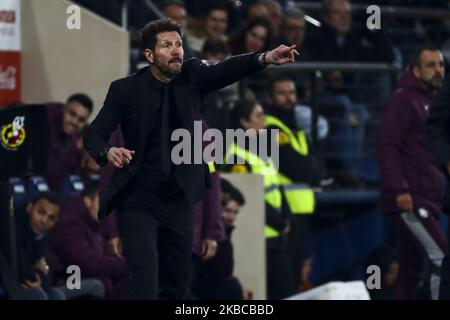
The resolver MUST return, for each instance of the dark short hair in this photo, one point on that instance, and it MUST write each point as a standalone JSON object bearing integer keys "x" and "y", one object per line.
{"x": 167, "y": 3}
{"x": 151, "y": 30}
{"x": 256, "y": 22}
{"x": 91, "y": 188}
{"x": 415, "y": 58}
{"x": 216, "y": 6}
{"x": 225, "y": 185}
{"x": 50, "y": 196}
{"x": 275, "y": 80}
{"x": 252, "y": 4}
{"x": 236, "y": 195}
{"x": 242, "y": 110}
{"x": 326, "y": 7}
{"x": 215, "y": 46}
{"x": 82, "y": 99}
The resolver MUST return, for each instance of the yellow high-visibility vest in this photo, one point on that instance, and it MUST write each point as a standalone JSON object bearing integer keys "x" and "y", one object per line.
{"x": 300, "y": 197}
{"x": 272, "y": 193}
{"x": 211, "y": 167}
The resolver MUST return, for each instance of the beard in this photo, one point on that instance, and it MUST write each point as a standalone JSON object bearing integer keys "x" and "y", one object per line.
{"x": 434, "y": 83}
{"x": 166, "y": 70}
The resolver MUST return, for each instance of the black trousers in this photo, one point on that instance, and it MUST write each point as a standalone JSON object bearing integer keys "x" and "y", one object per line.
{"x": 158, "y": 246}
{"x": 298, "y": 245}
{"x": 280, "y": 282}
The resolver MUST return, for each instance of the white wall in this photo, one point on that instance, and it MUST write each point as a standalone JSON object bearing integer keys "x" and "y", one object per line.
{"x": 57, "y": 62}
{"x": 248, "y": 236}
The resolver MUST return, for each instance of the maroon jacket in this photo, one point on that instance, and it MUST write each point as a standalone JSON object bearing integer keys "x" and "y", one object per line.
{"x": 207, "y": 216}
{"x": 64, "y": 159}
{"x": 207, "y": 213}
{"x": 406, "y": 164}
{"x": 76, "y": 239}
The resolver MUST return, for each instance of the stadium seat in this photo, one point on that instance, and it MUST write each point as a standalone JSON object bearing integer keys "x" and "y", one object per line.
{"x": 36, "y": 184}
{"x": 72, "y": 186}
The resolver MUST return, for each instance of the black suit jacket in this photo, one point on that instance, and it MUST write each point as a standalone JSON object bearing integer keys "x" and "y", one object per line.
{"x": 438, "y": 134}
{"x": 129, "y": 104}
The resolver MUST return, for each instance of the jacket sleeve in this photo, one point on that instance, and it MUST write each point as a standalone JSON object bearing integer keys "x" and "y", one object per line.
{"x": 217, "y": 76}
{"x": 299, "y": 168}
{"x": 222, "y": 264}
{"x": 393, "y": 130}
{"x": 71, "y": 245}
{"x": 95, "y": 139}
{"x": 212, "y": 223}
{"x": 275, "y": 219}
{"x": 438, "y": 126}
{"x": 108, "y": 226}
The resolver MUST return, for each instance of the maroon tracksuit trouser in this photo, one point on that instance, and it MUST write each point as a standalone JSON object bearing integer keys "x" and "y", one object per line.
{"x": 421, "y": 246}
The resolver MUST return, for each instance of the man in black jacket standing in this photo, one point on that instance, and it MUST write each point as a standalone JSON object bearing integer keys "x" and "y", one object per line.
{"x": 438, "y": 132}
{"x": 154, "y": 195}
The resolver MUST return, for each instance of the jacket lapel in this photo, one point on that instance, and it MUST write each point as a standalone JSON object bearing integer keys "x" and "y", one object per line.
{"x": 183, "y": 93}
{"x": 147, "y": 110}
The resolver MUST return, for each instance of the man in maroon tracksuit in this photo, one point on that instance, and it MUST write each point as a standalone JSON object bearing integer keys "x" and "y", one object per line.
{"x": 66, "y": 122}
{"x": 77, "y": 239}
{"x": 411, "y": 183}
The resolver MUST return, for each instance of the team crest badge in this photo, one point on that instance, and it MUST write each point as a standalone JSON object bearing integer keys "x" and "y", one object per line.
{"x": 13, "y": 134}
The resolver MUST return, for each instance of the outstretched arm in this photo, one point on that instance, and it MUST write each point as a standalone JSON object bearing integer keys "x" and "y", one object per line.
{"x": 222, "y": 74}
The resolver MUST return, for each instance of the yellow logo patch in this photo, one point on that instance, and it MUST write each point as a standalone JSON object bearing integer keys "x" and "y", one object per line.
{"x": 282, "y": 138}
{"x": 239, "y": 168}
{"x": 13, "y": 134}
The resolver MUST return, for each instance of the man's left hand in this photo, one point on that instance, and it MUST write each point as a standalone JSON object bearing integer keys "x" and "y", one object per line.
{"x": 209, "y": 248}
{"x": 115, "y": 246}
{"x": 281, "y": 55}
{"x": 32, "y": 285}
{"x": 42, "y": 265}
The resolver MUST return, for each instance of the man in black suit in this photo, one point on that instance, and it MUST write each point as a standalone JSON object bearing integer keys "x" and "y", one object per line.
{"x": 438, "y": 134}
{"x": 154, "y": 196}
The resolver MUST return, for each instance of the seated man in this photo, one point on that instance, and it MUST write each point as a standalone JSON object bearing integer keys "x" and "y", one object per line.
{"x": 77, "y": 240}
{"x": 66, "y": 122}
{"x": 32, "y": 225}
{"x": 214, "y": 277}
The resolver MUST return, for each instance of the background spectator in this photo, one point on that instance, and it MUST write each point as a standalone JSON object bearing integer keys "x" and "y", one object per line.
{"x": 214, "y": 278}
{"x": 385, "y": 258}
{"x": 413, "y": 201}
{"x": 32, "y": 226}
{"x": 66, "y": 122}
{"x": 176, "y": 10}
{"x": 255, "y": 36}
{"x": 213, "y": 25}
{"x": 79, "y": 221}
